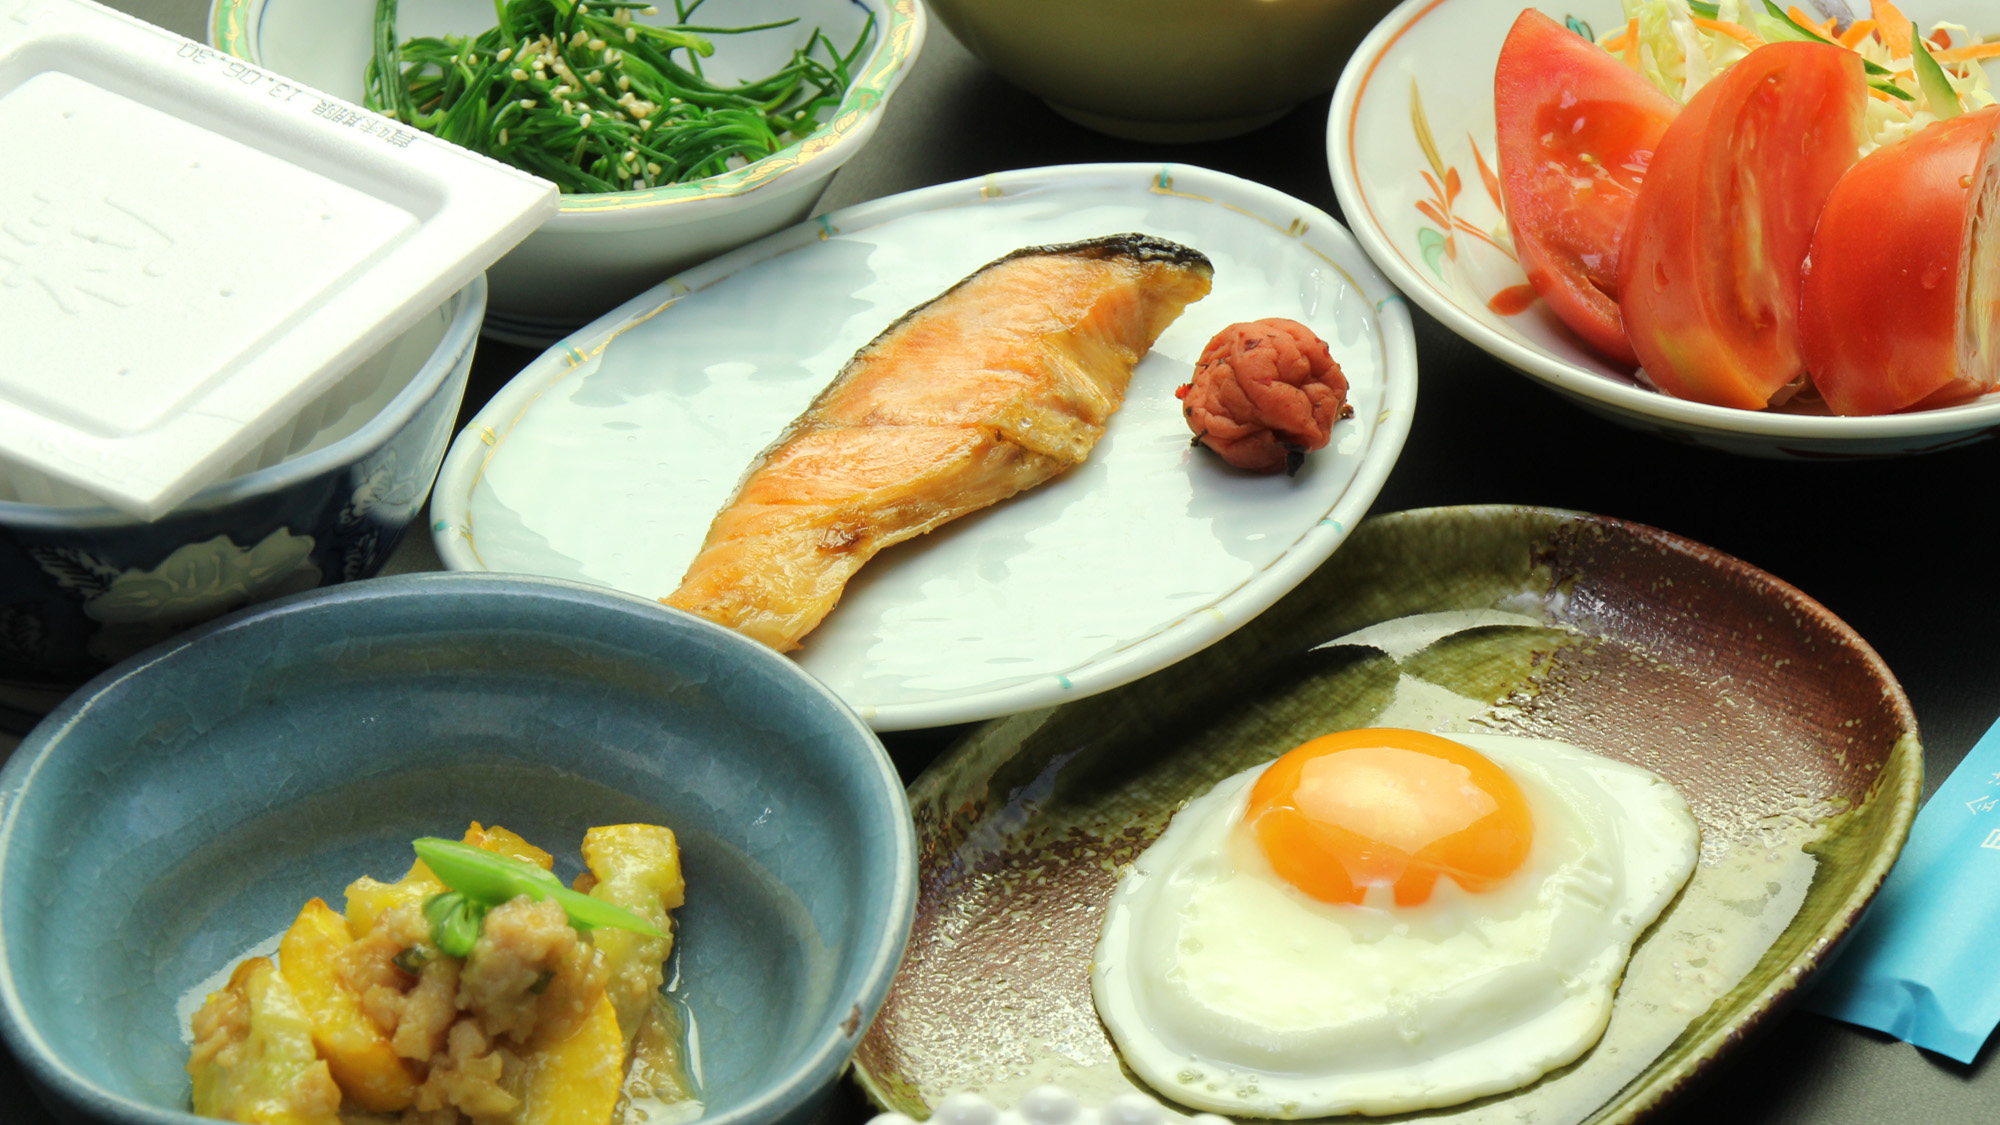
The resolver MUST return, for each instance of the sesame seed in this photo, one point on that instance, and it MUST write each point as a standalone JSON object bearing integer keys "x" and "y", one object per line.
{"x": 597, "y": 44}
{"x": 527, "y": 103}
{"x": 652, "y": 169}
{"x": 519, "y": 75}
{"x": 505, "y": 54}
{"x": 631, "y": 33}
{"x": 503, "y": 136}
{"x": 584, "y": 121}
{"x": 624, "y": 83}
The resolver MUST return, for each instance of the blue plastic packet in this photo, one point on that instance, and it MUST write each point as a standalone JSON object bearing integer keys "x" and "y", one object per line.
{"x": 1920, "y": 965}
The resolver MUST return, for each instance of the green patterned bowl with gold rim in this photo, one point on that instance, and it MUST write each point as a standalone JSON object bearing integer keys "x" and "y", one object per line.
{"x": 1789, "y": 738}
{"x": 602, "y": 248}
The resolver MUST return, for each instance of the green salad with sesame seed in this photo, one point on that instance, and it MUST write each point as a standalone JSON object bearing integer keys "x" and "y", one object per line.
{"x": 581, "y": 93}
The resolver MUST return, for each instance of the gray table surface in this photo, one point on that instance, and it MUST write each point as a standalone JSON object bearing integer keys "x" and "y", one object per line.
{"x": 1890, "y": 546}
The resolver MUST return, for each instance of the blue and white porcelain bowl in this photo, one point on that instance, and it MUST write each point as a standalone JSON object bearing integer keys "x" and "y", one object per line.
{"x": 83, "y": 587}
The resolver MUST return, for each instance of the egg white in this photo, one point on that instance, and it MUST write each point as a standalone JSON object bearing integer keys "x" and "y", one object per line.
{"x": 1227, "y": 989}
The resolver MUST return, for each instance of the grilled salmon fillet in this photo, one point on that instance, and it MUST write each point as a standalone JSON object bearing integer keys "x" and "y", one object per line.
{"x": 992, "y": 387}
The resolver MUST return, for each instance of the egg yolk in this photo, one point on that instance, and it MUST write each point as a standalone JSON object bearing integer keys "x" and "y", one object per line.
{"x": 1383, "y": 807}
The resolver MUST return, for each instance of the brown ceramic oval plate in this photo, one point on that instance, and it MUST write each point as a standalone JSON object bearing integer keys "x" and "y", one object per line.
{"x": 1784, "y": 730}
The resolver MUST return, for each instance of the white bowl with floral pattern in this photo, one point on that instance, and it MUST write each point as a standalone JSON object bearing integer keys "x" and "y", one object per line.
{"x": 1410, "y": 142}
{"x": 83, "y": 587}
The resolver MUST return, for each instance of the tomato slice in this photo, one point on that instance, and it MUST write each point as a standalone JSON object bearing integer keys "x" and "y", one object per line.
{"x": 1709, "y": 275}
{"x": 1899, "y": 306}
{"x": 1577, "y": 129}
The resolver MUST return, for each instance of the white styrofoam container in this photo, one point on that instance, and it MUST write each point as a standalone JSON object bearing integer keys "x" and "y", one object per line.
{"x": 602, "y": 248}
{"x": 193, "y": 250}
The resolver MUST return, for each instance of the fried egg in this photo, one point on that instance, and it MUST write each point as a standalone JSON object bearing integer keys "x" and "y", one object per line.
{"x": 1384, "y": 920}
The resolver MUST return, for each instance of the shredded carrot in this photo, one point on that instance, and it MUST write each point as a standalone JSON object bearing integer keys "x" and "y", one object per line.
{"x": 1968, "y": 52}
{"x": 1734, "y": 31}
{"x": 1614, "y": 43}
{"x": 1893, "y": 27}
{"x": 1856, "y": 32}
{"x": 1632, "y": 43}
{"x": 1805, "y": 21}
{"x": 1898, "y": 103}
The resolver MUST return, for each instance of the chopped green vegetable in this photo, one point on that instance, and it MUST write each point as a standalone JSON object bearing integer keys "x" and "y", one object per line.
{"x": 1891, "y": 89}
{"x": 1939, "y": 97}
{"x": 455, "y": 921}
{"x": 413, "y": 959}
{"x": 388, "y": 98}
{"x": 486, "y": 879}
{"x": 579, "y": 92}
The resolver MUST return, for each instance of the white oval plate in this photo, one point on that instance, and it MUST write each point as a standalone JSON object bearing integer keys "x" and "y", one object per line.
{"x": 1414, "y": 108}
{"x": 606, "y": 458}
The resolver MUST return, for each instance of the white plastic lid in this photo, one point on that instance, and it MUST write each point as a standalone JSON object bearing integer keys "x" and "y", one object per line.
{"x": 193, "y": 248}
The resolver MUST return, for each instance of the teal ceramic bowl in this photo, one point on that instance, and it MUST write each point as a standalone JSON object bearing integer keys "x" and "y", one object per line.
{"x": 179, "y": 809}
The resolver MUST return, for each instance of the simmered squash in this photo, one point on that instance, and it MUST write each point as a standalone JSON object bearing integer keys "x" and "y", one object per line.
{"x": 355, "y": 1047}
{"x": 638, "y": 867}
{"x": 253, "y": 1057}
{"x": 575, "y": 1081}
{"x": 475, "y": 989}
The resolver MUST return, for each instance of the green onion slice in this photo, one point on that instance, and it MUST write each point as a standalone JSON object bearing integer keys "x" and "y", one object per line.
{"x": 487, "y": 879}
{"x": 455, "y": 921}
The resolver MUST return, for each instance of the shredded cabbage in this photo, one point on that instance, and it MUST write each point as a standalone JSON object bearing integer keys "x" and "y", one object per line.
{"x": 1680, "y": 49}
